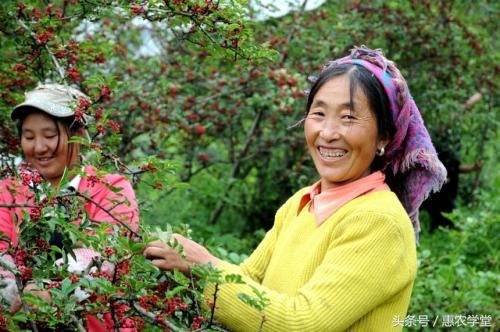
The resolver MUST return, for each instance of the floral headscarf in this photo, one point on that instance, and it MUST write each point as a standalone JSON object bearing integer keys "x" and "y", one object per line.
{"x": 410, "y": 155}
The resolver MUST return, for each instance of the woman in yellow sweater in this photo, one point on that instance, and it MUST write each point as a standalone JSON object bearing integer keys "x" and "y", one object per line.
{"x": 341, "y": 254}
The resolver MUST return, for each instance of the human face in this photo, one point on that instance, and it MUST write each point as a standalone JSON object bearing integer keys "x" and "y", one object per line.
{"x": 342, "y": 142}
{"x": 39, "y": 138}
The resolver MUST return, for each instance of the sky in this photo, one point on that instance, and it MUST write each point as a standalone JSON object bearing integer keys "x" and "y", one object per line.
{"x": 277, "y": 8}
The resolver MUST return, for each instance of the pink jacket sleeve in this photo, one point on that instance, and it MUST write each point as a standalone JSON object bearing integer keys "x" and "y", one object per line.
{"x": 112, "y": 198}
{"x": 7, "y": 227}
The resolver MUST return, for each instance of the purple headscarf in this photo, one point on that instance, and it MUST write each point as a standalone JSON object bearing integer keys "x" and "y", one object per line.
{"x": 410, "y": 155}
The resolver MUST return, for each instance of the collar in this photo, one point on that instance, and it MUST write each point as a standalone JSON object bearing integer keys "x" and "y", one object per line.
{"x": 70, "y": 186}
{"x": 74, "y": 183}
{"x": 326, "y": 203}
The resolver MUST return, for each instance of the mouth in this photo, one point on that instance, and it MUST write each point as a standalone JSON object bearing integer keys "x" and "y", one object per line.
{"x": 44, "y": 160}
{"x": 331, "y": 154}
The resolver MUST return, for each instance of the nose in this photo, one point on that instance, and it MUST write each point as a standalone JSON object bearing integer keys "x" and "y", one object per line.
{"x": 330, "y": 130}
{"x": 40, "y": 146}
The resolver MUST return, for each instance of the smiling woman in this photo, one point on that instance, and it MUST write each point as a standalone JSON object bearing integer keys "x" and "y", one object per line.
{"x": 341, "y": 254}
{"x": 46, "y": 121}
{"x": 44, "y": 147}
{"x": 341, "y": 133}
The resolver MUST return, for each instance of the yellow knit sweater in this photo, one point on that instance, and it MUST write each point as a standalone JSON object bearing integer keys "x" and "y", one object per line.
{"x": 354, "y": 272}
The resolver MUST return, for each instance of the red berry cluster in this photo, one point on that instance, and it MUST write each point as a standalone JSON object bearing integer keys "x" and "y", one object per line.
{"x": 109, "y": 251}
{"x": 26, "y": 272}
{"x": 3, "y": 320}
{"x": 54, "y": 284}
{"x": 20, "y": 257}
{"x": 74, "y": 279}
{"x": 35, "y": 213}
{"x": 101, "y": 274}
{"x": 197, "y": 321}
{"x": 105, "y": 92}
{"x": 43, "y": 38}
{"x": 29, "y": 175}
{"x": 115, "y": 127}
{"x": 122, "y": 268}
{"x": 42, "y": 244}
{"x": 74, "y": 75}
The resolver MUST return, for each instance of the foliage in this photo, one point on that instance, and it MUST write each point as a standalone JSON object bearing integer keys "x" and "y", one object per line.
{"x": 192, "y": 101}
{"x": 53, "y": 43}
{"x": 458, "y": 268}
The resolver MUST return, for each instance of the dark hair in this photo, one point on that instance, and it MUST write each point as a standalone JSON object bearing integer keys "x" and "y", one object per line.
{"x": 375, "y": 93}
{"x": 70, "y": 126}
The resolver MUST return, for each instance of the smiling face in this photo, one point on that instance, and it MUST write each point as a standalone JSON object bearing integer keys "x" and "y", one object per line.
{"x": 45, "y": 146}
{"x": 341, "y": 141}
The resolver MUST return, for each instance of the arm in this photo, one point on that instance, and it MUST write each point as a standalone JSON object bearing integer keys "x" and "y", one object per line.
{"x": 6, "y": 228}
{"x": 6, "y": 217}
{"x": 8, "y": 287}
{"x": 167, "y": 258}
{"x": 351, "y": 281}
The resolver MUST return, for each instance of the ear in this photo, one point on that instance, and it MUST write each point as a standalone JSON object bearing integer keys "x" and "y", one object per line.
{"x": 382, "y": 143}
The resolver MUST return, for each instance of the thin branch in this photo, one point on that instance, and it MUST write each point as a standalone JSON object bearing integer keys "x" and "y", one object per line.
{"x": 212, "y": 310}
{"x": 191, "y": 278}
{"x": 236, "y": 166}
{"x": 152, "y": 316}
{"x": 79, "y": 325}
{"x": 108, "y": 211}
{"x": 59, "y": 69}
{"x": 17, "y": 205}
{"x": 263, "y": 318}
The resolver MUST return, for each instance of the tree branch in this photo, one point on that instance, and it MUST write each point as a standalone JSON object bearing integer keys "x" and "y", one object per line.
{"x": 212, "y": 309}
{"x": 236, "y": 166}
{"x": 59, "y": 69}
{"x": 108, "y": 212}
{"x": 17, "y": 205}
{"x": 152, "y": 316}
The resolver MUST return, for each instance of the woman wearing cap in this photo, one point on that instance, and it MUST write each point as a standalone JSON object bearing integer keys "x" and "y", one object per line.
{"x": 46, "y": 121}
{"x": 341, "y": 254}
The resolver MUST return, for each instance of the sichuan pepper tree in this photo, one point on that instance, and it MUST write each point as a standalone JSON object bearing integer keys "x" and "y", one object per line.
{"x": 52, "y": 42}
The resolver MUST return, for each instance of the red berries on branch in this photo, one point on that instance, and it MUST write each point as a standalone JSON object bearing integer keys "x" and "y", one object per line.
{"x": 199, "y": 129}
{"x": 105, "y": 92}
{"x": 43, "y": 38}
{"x": 74, "y": 75}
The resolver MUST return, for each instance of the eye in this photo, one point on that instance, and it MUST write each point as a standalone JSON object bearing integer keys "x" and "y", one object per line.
{"x": 316, "y": 113}
{"x": 348, "y": 117}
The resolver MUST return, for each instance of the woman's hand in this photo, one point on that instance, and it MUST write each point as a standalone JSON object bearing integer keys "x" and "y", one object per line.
{"x": 35, "y": 291}
{"x": 165, "y": 257}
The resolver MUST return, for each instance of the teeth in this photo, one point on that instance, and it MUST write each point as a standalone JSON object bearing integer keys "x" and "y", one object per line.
{"x": 327, "y": 153}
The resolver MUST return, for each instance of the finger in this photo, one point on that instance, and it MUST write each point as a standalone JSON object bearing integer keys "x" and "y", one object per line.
{"x": 153, "y": 252}
{"x": 161, "y": 264}
{"x": 178, "y": 237}
{"x": 157, "y": 243}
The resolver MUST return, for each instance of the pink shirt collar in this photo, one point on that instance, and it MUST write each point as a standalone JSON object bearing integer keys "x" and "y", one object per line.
{"x": 324, "y": 204}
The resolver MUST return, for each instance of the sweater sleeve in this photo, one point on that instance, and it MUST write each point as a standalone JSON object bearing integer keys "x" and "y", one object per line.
{"x": 365, "y": 265}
